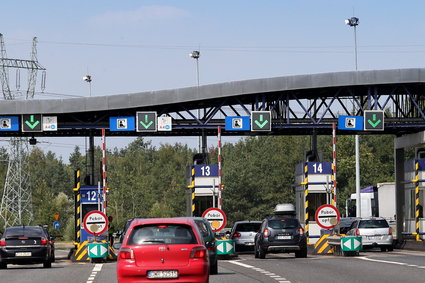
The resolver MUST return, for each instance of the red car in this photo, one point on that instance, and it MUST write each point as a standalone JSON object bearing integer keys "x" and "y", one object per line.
{"x": 164, "y": 249}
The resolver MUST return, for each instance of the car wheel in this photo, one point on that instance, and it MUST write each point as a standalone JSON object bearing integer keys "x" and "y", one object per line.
{"x": 214, "y": 268}
{"x": 390, "y": 248}
{"x": 255, "y": 251}
{"x": 47, "y": 264}
{"x": 3, "y": 265}
{"x": 301, "y": 253}
{"x": 383, "y": 249}
{"x": 261, "y": 253}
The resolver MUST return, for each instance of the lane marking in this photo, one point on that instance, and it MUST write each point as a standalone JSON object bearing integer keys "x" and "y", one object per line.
{"x": 390, "y": 262}
{"x": 97, "y": 268}
{"x": 265, "y": 272}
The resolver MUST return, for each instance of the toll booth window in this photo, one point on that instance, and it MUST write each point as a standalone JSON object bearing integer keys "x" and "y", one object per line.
{"x": 315, "y": 200}
{"x": 86, "y": 208}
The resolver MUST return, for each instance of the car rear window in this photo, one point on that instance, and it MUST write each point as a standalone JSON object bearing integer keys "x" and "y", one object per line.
{"x": 381, "y": 223}
{"x": 286, "y": 223}
{"x": 12, "y": 232}
{"x": 248, "y": 227}
{"x": 162, "y": 234}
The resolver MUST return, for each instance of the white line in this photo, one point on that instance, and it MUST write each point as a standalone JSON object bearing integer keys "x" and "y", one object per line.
{"x": 265, "y": 272}
{"x": 390, "y": 262}
{"x": 96, "y": 269}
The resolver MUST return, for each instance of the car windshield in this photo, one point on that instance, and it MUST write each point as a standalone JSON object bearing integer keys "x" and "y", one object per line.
{"x": 284, "y": 223}
{"x": 162, "y": 234}
{"x": 248, "y": 227}
{"x": 376, "y": 223}
{"x": 12, "y": 232}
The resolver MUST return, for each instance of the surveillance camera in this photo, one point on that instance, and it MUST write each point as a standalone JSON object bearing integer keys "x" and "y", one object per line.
{"x": 87, "y": 78}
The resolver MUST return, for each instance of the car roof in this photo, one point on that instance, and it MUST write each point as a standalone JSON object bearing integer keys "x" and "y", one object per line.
{"x": 147, "y": 221}
{"x": 248, "y": 221}
{"x": 372, "y": 218}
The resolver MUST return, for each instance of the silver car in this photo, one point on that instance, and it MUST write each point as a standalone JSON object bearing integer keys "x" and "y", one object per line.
{"x": 243, "y": 233}
{"x": 375, "y": 232}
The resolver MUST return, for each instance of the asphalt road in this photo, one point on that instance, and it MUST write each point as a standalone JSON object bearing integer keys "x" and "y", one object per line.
{"x": 375, "y": 266}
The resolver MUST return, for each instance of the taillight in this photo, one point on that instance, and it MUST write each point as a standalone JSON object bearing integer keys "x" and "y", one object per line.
{"x": 390, "y": 231}
{"x": 266, "y": 233}
{"x": 301, "y": 231}
{"x": 2, "y": 243}
{"x": 236, "y": 235}
{"x": 43, "y": 241}
{"x": 198, "y": 252}
{"x": 126, "y": 253}
{"x": 357, "y": 231}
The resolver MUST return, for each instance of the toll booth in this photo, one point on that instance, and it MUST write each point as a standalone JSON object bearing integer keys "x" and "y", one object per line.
{"x": 87, "y": 199}
{"x": 313, "y": 188}
{"x": 91, "y": 199}
{"x": 203, "y": 188}
{"x": 414, "y": 176}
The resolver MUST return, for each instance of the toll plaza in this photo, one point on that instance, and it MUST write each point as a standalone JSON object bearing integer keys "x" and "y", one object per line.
{"x": 313, "y": 188}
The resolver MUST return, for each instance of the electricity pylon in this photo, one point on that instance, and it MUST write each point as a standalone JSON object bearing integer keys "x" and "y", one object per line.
{"x": 16, "y": 203}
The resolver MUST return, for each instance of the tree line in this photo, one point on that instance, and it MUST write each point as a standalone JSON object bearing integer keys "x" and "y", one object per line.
{"x": 149, "y": 181}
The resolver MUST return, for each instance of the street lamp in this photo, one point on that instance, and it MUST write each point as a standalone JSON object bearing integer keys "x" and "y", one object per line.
{"x": 354, "y": 22}
{"x": 195, "y": 55}
{"x": 87, "y": 78}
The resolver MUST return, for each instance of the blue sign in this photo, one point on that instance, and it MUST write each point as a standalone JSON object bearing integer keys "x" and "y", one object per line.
{"x": 90, "y": 194}
{"x": 122, "y": 124}
{"x": 56, "y": 225}
{"x": 9, "y": 123}
{"x": 205, "y": 170}
{"x": 238, "y": 123}
{"x": 354, "y": 123}
{"x": 319, "y": 168}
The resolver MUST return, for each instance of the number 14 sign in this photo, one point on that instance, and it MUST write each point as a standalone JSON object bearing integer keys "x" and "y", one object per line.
{"x": 319, "y": 168}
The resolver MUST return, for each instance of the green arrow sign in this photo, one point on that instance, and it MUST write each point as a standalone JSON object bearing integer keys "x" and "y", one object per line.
{"x": 96, "y": 250}
{"x": 374, "y": 120}
{"x": 225, "y": 247}
{"x": 32, "y": 123}
{"x": 351, "y": 244}
{"x": 261, "y": 121}
{"x": 146, "y": 121}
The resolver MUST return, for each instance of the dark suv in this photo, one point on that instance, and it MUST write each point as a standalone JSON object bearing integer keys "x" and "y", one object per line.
{"x": 280, "y": 235}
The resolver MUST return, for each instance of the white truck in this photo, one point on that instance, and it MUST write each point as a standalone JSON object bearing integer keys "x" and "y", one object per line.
{"x": 376, "y": 201}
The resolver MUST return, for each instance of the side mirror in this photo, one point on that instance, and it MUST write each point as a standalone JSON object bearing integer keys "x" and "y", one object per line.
{"x": 117, "y": 246}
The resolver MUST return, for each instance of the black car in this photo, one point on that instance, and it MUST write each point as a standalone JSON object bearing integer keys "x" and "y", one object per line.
{"x": 26, "y": 245}
{"x": 280, "y": 235}
{"x": 208, "y": 236}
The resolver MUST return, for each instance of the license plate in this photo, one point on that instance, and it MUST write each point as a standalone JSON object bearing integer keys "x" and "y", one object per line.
{"x": 162, "y": 274}
{"x": 249, "y": 243}
{"x": 283, "y": 237}
{"x": 374, "y": 237}
{"x": 23, "y": 254}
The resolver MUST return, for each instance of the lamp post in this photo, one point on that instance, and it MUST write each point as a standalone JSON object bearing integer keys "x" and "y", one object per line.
{"x": 354, "y": 22}
{"x": 87, "y": 78}
{"x": 195, "y": 55}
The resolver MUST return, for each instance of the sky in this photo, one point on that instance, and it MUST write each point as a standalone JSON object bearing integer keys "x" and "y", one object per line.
{"x": 136, "y": 46}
